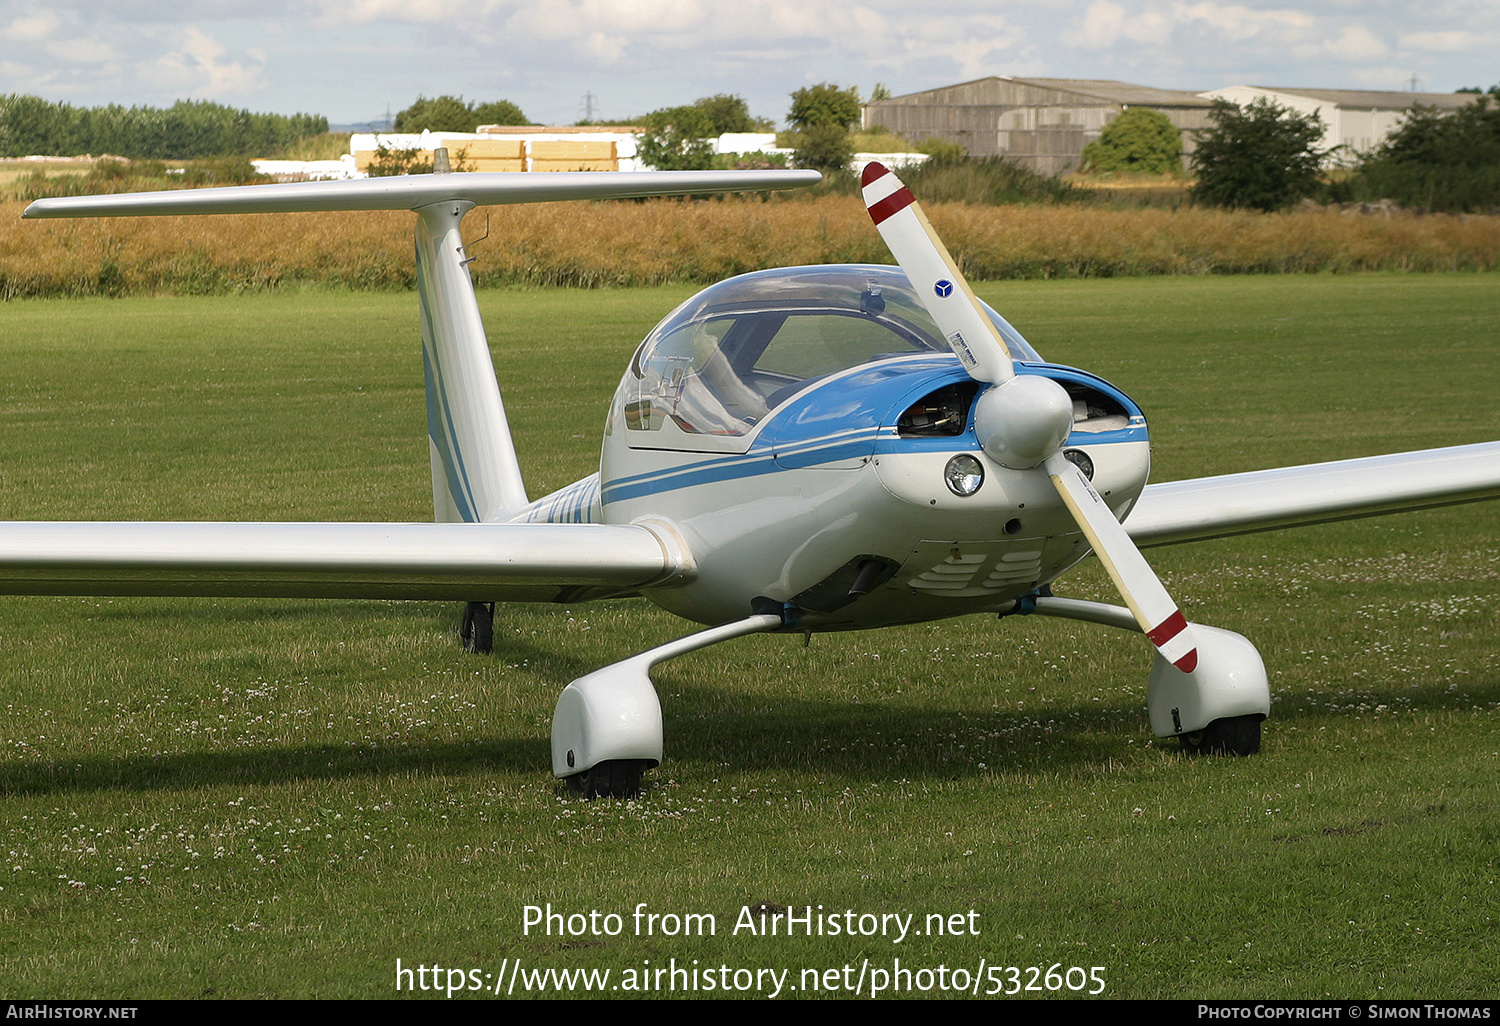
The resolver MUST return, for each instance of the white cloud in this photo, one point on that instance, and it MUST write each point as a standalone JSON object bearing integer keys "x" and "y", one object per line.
{"x": 350, "y": 58}
{"x": 606, "y": 49}
{"x": 198, "y": 69}
{"x": 1108, "y": 25}
{"x": 1382, "y": 77}
{"x": 32, "y": 28}
{"x": 92, "y": 51}
{"x": 423, "y": 12}
{"x": 1447, "y": 42}
{"x": 657, "y": 30}
{"x": 1236, "y": 23}
{"x": 1103, "y": 25}
{"x": 1356, "y": 43}
{"x": 607, "y": 29}
{"x": 977, "y": 45}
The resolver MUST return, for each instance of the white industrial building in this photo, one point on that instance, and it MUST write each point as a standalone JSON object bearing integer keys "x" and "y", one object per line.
{"x": 1355, "y": 121}
{"x": 1044, "y": 123}
{"x": 1040, "y": 123}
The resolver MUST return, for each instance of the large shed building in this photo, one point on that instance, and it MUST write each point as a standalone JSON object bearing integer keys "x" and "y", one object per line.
{"x": 1354, "y": 120}
{"x": 1041, "y": 123}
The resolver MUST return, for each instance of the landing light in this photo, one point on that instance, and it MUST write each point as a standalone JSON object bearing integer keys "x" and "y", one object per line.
{"x": 963, "y": 474}
{"x": 1080, "y": 459}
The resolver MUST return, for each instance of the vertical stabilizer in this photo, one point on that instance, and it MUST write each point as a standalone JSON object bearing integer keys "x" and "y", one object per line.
{"x": 475, "y": 475}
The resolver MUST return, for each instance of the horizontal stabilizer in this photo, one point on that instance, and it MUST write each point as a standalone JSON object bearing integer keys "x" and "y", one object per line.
{"x": 1264, "y": 500}
{"x": 408, "y": 192}
{"x": 462, "y": 562}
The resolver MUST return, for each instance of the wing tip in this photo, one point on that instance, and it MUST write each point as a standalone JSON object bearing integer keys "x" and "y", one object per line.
{"x": 873, "y": 170}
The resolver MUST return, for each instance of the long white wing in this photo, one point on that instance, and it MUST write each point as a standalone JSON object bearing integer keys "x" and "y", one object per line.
{"x": 1264, "y": 500}
{"x": 509, "y": 562}
{"x": 472, "y": 458}
{"x": 409, "y": 192}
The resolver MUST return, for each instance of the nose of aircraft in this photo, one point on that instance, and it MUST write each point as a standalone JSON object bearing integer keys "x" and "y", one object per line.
{"x": 1022, "y": 421}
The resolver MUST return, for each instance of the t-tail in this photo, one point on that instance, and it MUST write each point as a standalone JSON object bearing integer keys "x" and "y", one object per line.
{"x": 475, "y": 475}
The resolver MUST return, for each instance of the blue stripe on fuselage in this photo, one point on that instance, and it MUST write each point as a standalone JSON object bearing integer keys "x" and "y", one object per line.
{"x": 703, "y": 472}
{"x": 797, "y": 434}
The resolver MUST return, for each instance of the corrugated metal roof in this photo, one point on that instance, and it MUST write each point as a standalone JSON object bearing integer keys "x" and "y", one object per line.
{"x": 1120, "y": 92}
{"x": 1357, "y": 99}
{"x": 1106, "y": 90}
{"x": 1128, "y": 94}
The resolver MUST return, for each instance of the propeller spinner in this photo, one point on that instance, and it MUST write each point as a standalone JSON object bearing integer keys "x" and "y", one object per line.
{"x": 1022, "y": 421}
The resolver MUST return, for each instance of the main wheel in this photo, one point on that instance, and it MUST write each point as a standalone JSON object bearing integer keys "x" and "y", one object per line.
{"x": 478, "y": 629}
{"x": 1234, "y": 735}
{"x": 613, "y": 778}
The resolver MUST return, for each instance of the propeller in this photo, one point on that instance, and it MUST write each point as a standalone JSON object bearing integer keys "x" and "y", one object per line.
{"x": 1022, "y": 420}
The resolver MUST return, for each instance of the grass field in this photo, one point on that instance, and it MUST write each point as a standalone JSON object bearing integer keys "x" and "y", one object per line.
{"x": 236, "y": 798}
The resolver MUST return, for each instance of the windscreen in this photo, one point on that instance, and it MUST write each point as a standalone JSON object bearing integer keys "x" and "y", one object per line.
{"x": 734, "y": 352}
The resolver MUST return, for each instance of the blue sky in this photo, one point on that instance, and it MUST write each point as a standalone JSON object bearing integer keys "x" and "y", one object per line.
{"x": 352, "y": 59}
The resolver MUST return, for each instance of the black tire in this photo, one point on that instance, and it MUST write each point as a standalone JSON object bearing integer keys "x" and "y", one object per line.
{"x": 1235, "y": 735}
{"x": 613, "y": 778}
{"x": 478, "y": 629}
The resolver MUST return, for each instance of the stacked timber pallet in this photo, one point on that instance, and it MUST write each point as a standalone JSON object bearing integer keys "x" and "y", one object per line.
{"x": 477, "y": 153}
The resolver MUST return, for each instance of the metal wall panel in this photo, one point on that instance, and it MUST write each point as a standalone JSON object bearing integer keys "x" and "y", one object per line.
{"x": 1039, "y": 126}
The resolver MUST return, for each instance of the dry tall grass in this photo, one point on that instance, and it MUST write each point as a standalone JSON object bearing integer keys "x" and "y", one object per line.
{"x": 609, "y": 244}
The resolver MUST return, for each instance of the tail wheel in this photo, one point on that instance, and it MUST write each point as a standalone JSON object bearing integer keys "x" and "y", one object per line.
{"x": 478, "y": 629}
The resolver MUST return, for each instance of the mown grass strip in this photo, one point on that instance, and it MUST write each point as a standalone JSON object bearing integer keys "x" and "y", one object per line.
{"x": 236, "y": 798}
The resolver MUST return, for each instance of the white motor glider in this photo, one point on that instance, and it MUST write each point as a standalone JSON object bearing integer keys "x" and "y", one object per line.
{"x": 801, "y": 449}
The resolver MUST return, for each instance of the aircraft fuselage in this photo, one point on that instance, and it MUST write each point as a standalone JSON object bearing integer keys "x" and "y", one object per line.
{"x": 838, "y": 482}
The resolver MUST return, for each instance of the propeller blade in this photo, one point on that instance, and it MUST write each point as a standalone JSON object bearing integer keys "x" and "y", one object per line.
{"x": 927, "y": 263}
{"x": 1023, "y": 421}
{"x": 1159, "y": 617}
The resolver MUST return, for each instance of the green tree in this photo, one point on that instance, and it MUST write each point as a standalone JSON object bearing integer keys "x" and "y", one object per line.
{"x": 825, "y": 148}
{"x": 825, "y": 104}
{"x": 30, "y": 124}
{"x": 1441, "y": 161}
{"x": 680, "y": 138}
{"x": 440, "y": 114}
{"x": 1261, "y": 156}
{"x": 453, "y": 114}
{"x": 1139, "y": 141}
{"x": 726, "y": 113}
{"x": 676, "y": 139}
{"x": 821, "y": 117}
{"x": 1468, "y": 137}
{"x": 187, "y": 130}
{"x": 499, "y": 112}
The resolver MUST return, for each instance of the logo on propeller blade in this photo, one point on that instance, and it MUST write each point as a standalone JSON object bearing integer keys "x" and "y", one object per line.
{"x": 944, "y": 288}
